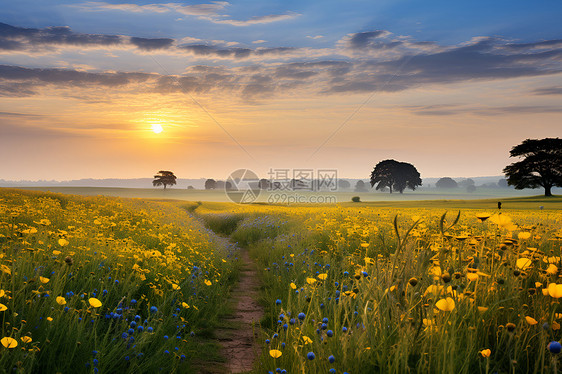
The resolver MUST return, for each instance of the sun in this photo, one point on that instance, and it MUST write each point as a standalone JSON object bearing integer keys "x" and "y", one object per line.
{"x": 157, "y": 128}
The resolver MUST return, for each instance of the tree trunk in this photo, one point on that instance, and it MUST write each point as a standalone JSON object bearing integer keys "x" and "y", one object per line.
{"x": 547, "y": 190}
{"x": 164, "y": 185}
{"x": 390, "y": 188}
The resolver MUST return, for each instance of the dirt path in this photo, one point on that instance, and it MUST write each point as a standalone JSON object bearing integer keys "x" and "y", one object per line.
{"x": 238, "y": 343}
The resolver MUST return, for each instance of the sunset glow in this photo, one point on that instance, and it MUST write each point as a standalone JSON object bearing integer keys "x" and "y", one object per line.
{"x": 274, "y": 85}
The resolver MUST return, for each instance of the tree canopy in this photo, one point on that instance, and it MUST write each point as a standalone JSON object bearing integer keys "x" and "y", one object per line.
{"x": 164, "y": 178}
{"x": 447, "y": 182}
{"x": 395, "y": 175}
{"x": 541, "y": 165}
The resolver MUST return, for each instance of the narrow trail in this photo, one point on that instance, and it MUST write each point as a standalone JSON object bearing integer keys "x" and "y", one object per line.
{"x": 239, "y": 343}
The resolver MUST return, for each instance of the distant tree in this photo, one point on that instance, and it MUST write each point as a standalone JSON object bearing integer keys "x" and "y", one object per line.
{"x": 356, "y": 199}
{"x": 503, "y": 183}
{"x": 220, "y": 185}
{"x": 164, "y": 178}
{"x": 210, "y": 184}
{"x": 343, "y": 184}
{"x": 361, "y": 186}
{"x": 190, "y": 187}
{"x": 470, "y": 188}
{"x": 541, "y": 165}
{"x": 446, "y": 182}
{"x": 466, "y": 182}
{"x": 395, "y": 175}
{"x": 228, "y": 186}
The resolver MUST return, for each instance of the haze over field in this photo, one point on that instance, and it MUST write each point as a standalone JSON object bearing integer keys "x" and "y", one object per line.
{"x": 110, "y": 89}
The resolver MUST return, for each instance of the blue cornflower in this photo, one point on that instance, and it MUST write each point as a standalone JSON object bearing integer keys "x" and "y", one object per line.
{"x": 278, "y": 302}
{"x": 301, "y": 316}
{"x": 311, "y": 356}
{"x": 332, "y": 359}
{"x": 153, "y": 309}
{"x": 554, "y": 347}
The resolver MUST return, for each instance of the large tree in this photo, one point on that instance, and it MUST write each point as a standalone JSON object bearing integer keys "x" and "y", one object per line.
{"x": 395, "y": 175}
{"x": 164, "y": 178}
{"x": 541, "y": 165}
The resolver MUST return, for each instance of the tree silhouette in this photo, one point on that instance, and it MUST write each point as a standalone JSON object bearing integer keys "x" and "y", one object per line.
{"x": 210, "y": 184}
{"x": 164, "y": 178}
{"x": 360, "y": 186}
{"x": 446, "y": 182}
{"x": 541, "y": 165}
{"x": 395, "y": 175}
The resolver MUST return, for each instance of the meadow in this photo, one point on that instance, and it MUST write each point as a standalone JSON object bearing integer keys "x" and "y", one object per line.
{"x": 104, "y": 284}
{"x": 412, "y": 287}
{"x": 97, "y": 284}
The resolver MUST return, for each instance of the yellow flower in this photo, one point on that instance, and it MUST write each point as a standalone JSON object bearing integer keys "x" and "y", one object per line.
{"x": 293, "y": 286}
{"x": 56, "y": 253}
{"x": 364, "y": 245}
{"x": 523, "y": 263}
{"x": 552, "y": 269}
{"x": 8, "y": 342}
{"x": 26, "y": 339}
{"x": 185, "y": 305}
{"x": 306, "y": 340}
{"x": 482, "y": 309}
{"x": 5, "y": 269}
{"x": 2, "y": 293}
{"x": 310, "y": 280}
{"x": 175, "y": 286}
{"x": 486, "y": 353}
{"x": 275, "y": 353}
{"x": 555, "y": 326}
{"x": 63, "y": 242}
{"x": 555, "y": 290}
{"x": 50, "y": 319}
{"x": 95, "y": 303}
{"x": 472, "y": 276}
{"x": 531, "y": 321}
{"x": 322, "y": 276}
{"x": 208, "y": 282}
{"x": 446, "y": 305}
{"x": 3, "y": 307}
{"x": 524, "y": 235}
{"x": 61, "y": 300}
{"x": 44, "y": 280}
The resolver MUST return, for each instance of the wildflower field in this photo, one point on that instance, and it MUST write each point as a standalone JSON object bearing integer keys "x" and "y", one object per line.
{"x": 95, "y": 284}
{"x": 111, "y": 285}
{"x": 380, "y": 289}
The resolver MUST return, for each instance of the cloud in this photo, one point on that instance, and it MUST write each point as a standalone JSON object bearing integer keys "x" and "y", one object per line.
{"x": 211, "y": 8}
{"x": 315, "y": 37}
{"x": 257, "y": 19}
{"x": 234, "y": 52}
{"x": 480, "y": 59}
{"x": 152, "y": 44}
{"x": 68, "y": 77}
{"x": 18, "y": 38}
{"x": 211, "y": 11}
{"x": 452, "y": 110}
{"x": 364, "y": 39}
{"x": 548, "y": 91}
{"x": 259, "y": 41}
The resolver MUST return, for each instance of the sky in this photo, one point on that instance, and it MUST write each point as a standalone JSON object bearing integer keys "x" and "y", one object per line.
{"x": 448, "y": 86}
